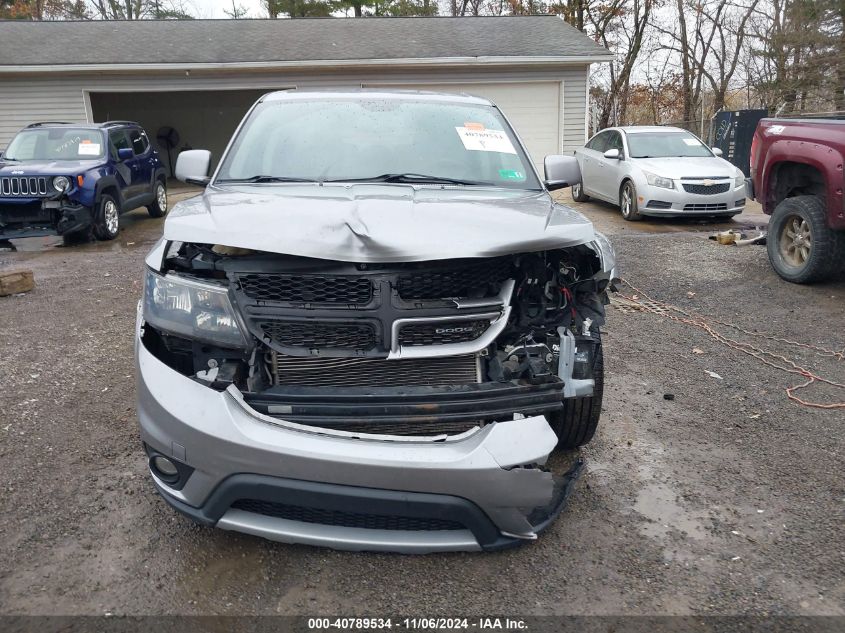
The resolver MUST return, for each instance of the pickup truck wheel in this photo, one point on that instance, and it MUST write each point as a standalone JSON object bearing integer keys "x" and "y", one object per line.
{"x": 107, "y": 218}
{"x": 578, "y": 193}
{"x": 802, "y": 249}
{"x": 158, "y": 208}
{"x": 628, "y": 202}
{"x": 576, "y": 423}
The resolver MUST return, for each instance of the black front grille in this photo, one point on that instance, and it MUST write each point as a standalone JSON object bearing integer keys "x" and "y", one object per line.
{"x": 23, "y": 186}
{"x": 475, "y": 278}
{"x": 340, "y": 518}
{"x": 442, "y": 333}
{"x": 706, "y": 207}
{"x": 26, "y": 213}
{"x": 306, "y": 288}
{"x": 375, "y": 372}
{"x": 318, "y": 335}
{"x": 707, "y": 190}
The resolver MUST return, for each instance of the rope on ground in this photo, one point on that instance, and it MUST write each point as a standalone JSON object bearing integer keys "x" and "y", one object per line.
{"x": 641, "y": 301}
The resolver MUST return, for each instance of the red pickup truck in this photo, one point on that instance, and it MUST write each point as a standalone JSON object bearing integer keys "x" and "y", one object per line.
{"x": 796, "y": 174}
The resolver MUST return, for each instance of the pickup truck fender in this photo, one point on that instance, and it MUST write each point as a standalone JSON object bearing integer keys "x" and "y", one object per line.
{"x": 825, "y": 159}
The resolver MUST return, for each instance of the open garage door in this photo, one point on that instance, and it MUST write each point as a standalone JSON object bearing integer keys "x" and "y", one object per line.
{"x": 533, "y": 108}
{"x": 203, "y": 119}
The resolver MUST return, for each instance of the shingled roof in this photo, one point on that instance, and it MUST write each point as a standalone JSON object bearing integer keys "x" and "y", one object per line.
{"x": 546, "y": 39}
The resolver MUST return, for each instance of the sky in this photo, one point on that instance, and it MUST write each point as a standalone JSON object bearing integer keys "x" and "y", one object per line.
{"x": 214, "y": 8}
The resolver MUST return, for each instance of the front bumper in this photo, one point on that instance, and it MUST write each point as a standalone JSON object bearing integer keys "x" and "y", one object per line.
{"x": 38, "y": 217}
{"x": 677, "y": 202}
{"x": 487, "y": 483}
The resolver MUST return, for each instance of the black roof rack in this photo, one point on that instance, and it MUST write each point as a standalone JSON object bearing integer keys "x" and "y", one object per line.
{"x": 110, "y": 123}
{"x": 40, "y": 123}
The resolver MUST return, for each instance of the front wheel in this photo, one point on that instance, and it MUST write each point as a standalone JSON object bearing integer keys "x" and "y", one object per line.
{"x": 802, "y": 249}
{"x": 107, "y": 218}
{"x": 575, "y": 424}
{"x": 578, "y": 193}
{"x": 158, "y": 208}
{"x": 628, "y": 202}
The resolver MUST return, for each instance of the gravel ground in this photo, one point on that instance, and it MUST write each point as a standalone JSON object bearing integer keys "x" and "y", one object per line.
{"x": 728, "y": 499}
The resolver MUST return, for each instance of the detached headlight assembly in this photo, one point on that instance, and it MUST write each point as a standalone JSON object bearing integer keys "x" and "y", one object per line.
{"x": 192, "y": 309}
{"x": 61, "y": 183}
{"x": 659, "y": 181}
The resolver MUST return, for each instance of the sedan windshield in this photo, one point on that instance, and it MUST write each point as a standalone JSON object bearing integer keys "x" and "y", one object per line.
{"x": 377, "y": 140}
{"x": 56, "y": 143}
{"x": 666, "y": 144}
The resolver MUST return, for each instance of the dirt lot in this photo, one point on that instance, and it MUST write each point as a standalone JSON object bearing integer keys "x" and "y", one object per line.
{"x": 728, "y": 499}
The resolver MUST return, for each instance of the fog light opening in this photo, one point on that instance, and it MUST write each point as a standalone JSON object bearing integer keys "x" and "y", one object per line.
{"x": 164, "y": 468}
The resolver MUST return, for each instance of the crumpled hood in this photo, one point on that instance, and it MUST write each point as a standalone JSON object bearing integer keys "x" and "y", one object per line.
{"x": 46, "y": 168}
{"x": 703, "y": 167}
{"x": 377, "y": 222}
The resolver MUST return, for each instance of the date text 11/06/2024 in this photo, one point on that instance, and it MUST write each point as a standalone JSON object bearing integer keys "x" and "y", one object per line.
{"x": 361, "y": 623}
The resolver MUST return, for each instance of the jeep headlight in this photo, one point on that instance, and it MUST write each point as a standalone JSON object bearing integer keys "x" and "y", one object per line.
{"x": 659, "y": 181}
{"x": 61, "y": 184}
{"x": 192, "y": 309}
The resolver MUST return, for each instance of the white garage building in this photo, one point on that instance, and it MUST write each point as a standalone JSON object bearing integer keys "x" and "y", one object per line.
{"x": 200, "y": 76}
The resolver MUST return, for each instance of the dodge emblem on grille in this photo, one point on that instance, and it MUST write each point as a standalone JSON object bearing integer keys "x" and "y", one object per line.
{"x": 452, "y": 330}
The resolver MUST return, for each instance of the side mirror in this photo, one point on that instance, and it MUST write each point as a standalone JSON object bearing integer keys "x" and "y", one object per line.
{"x": 124, "y": 153}
{"x": 561, "y": 172}
{"x": 613, "y": 153}
{"x": 192, "y": 166}
{"x": 717, "y": 151}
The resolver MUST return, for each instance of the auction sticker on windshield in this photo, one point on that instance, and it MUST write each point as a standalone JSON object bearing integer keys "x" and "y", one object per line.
{"x": 87, "y": 148}
{"x": 485, "y": 140}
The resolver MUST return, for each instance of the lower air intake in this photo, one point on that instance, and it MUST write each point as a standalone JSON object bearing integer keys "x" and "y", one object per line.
{"x": 374, "y": 372}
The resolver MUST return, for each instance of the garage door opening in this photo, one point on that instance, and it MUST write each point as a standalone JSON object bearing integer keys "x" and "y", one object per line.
{"x": 203, "y": 119}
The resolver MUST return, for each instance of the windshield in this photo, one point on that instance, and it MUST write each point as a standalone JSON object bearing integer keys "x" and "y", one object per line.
{"x": 56, "y": 143}
{"x": 666, "y": 144}
{"x": 382, "y": 140}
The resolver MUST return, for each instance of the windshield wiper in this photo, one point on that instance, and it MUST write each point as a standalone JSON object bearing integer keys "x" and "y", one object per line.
{"x": 265, "y": 179}
{"x": 412, "y": 178}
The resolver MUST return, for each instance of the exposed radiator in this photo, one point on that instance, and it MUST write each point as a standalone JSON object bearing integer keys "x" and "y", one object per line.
{"x": 374, "y": 372}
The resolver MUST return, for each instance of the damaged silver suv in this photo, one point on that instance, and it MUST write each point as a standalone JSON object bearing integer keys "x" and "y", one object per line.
{"x": 372, "y": 328}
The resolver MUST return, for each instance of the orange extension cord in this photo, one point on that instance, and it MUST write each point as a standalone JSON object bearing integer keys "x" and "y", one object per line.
{"x": 777, "y": 361}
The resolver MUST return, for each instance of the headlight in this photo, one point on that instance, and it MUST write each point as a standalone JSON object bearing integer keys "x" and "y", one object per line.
{"x": 192, "y": 309}
{"x": 739, "y": 181}
{"x": 61, "y": 183}
{"x": 659, "y": 181}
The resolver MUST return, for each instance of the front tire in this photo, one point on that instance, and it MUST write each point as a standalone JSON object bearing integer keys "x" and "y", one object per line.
{"x": 802, "y": 249}
{"x": 578, "y": 193}
{"x": 628, "y": 202}
{"x": 576, "y": 424}
{"x": 158, "y": 208}
{"x": 107, "y": 218}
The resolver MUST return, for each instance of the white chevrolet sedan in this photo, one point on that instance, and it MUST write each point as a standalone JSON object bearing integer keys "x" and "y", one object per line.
{"x": 661, "y": 171}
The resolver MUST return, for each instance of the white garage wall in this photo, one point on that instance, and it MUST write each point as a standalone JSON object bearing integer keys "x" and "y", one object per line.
{"x": 65, "y": 97}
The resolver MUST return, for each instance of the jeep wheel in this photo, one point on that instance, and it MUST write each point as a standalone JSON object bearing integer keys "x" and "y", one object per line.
{"x": 158, "y": 207}
{"x": 578, "y": 193}
{"x": 628, "y": 202}
{"x": 802, "y": 249}
{"x": 107, "y": 218}
{"x": 576, "y": 423}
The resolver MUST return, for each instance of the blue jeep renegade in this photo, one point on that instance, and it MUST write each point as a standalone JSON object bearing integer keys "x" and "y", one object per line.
{"x": 74, "y": 179}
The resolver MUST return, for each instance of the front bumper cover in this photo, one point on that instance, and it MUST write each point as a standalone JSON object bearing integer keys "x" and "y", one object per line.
{"x": 56, "y": 216}
{"x": 495, "y": 469}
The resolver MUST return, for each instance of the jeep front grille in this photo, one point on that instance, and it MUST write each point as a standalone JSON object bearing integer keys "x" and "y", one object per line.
{"x": 374, "y": 372}
{"x": 23, "y": 186}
